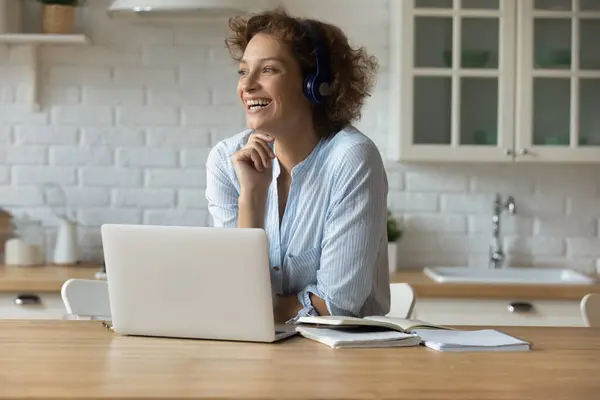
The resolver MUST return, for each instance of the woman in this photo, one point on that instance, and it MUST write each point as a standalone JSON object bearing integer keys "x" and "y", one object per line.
{"x": 301, "y": 171}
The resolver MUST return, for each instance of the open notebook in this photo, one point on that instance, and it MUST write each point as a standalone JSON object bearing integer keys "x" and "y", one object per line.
{"x": 397, "y": 324}
{"x": 383, "y": 331}
{"x": 374, "y": 331}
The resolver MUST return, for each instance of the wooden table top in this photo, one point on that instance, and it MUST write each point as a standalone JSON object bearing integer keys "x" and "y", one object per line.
{"x": 425, "y": 287}
{"x": 81, "y": 359}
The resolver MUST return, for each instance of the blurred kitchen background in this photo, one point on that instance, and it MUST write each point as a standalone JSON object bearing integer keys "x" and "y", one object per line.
{"x": 126, "y": 119}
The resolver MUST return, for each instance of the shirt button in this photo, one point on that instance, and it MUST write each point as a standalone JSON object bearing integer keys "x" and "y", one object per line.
{"x": 276, "y": 269}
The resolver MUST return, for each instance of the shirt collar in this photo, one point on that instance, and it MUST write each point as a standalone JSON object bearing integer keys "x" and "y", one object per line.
{"x": 302, "y": 166}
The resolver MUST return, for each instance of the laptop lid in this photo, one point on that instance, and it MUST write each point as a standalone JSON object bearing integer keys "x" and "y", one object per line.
{"x": 191, "y": 282}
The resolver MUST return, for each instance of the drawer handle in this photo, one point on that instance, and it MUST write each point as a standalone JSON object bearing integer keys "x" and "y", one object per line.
{"x": 520, "y": 307}
{"x": 27, "y": 299}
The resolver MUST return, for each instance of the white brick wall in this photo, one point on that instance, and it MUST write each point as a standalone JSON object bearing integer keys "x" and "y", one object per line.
{"x": 128, "y": 122}
{"x": 26, "y": 135}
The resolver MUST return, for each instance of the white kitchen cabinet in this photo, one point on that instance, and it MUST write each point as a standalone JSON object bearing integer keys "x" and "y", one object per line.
{"x": 23, "y": 305}
{"x": 501, "y": 312}
{"x": 496, "y": 81}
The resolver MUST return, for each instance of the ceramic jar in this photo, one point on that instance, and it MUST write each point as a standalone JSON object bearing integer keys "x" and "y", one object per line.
{"x": 28, "y": 244}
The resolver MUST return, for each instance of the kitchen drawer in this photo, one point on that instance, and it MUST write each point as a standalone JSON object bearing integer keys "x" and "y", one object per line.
{"x": 31, "y": 305}
{"x": 506, "y": 312}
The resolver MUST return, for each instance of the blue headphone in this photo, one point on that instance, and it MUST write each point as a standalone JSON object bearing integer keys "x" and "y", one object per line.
{"x": 316, "y": 83}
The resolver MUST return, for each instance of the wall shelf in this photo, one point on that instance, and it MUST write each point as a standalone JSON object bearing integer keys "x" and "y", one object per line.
{"x": 37, "y": 39}
{"x": 32, "y": 41}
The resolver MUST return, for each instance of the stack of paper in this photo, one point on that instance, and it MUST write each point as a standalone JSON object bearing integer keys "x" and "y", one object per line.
{"x": 359, "y": 337}
{"x": 478, "y": 340}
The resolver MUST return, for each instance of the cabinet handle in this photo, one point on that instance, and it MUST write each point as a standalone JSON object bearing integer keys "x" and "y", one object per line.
{"x": 520, "y": 307}
{"x": 524, "y": 152}
{"x": 27, "y": 300}
{"x": 509, "y": 152}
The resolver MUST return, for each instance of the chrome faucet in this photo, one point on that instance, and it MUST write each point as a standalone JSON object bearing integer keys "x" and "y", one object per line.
{"x": 497, "y": 255}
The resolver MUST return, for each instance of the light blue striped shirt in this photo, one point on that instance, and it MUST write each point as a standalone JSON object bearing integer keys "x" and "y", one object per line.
{"x": 333, "y": 236}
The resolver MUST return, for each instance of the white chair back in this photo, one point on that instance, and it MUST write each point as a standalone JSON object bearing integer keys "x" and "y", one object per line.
{"x": 86, "y": 298}
{"x": 402, "y": 300}
{"x": 590, "y": 309}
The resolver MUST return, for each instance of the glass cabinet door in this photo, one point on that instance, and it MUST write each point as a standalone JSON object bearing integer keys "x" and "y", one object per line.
{"x": 588, "y": 81}
{"x": 461, "y": 74}
{"x": 447, "y": 4}
{"x": 432, "y": 93}
{"x": 560, "y": 92}
{"x": 479, "y": 92}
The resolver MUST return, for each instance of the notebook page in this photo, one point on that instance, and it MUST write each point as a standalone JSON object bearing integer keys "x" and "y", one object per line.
{"x": 511, "y": 348}
{"x": 336, "y": 337}
{"x": 478, "y": 338}
{"x": 406, "y": 324}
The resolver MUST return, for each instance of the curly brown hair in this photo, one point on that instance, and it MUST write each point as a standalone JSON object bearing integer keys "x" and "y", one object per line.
{"x": 353, "y": 71}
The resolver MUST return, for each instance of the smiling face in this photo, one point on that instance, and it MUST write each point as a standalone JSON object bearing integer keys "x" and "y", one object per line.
{"x": 270, "y": 86}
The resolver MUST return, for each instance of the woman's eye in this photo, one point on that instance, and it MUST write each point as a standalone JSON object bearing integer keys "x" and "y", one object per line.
{"x": 242, "y": 72}
{"x": 269, "y": 69}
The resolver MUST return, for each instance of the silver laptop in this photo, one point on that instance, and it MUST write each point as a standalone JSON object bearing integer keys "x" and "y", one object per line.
{"x": 190, "y": 282}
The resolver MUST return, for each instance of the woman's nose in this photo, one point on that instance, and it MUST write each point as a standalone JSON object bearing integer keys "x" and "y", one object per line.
{"x": 249, "y": 83}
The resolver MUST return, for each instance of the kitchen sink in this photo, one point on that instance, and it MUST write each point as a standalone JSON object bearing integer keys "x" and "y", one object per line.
{"x": 507, "y": 275}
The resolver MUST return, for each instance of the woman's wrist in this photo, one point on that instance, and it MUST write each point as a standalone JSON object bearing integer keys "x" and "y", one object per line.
{"x": 253, "y": 195}
{"x": 251, "y": 209}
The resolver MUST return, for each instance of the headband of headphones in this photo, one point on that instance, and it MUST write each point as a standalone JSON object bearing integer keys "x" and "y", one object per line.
{"x": 316, "y": 83}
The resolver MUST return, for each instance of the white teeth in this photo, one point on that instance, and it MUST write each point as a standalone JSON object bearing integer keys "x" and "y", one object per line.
{"x": 258, "y": 103}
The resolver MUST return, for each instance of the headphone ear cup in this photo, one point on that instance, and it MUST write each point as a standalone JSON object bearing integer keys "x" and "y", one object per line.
{"x": 311, "y": 89}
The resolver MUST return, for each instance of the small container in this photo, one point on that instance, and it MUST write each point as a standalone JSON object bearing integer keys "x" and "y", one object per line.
{"x": 65, "y": 251}
{"x": 58, "y": 19}
{"x": 28, "y": 244}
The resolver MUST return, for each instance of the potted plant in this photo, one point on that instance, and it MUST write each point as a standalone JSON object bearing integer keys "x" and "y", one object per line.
{"x": 394, "y": 233}
{"x": 58, "y": 16}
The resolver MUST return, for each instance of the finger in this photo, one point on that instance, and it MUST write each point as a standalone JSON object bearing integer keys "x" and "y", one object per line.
{"x": 265, "y": 143}
{"x": 262, "y": 152}
{"x": 263, "y": 136}
{"x": 257, "y": 160}
{"x": 265, "y": 148}
{"x": 244, "y": 155}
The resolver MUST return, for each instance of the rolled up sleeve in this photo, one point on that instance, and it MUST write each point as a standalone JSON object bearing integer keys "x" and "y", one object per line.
{"x": 355, "y": 225}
